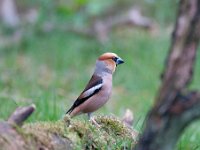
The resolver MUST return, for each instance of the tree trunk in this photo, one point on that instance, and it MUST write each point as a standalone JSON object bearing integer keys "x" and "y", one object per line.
{"x": 175, "y": 106}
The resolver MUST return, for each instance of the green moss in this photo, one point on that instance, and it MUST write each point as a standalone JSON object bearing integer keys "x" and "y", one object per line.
{"x": 114, "y": 126}
{"x": 80, "y": 134}
{"x": 43, "y": 134}
{"x": 57, "y": 127}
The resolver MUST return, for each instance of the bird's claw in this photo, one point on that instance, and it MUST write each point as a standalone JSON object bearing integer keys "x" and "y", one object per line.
{"x": 92, "y": 119}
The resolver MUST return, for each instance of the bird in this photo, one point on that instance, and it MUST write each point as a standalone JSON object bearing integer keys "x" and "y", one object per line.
{"x": 98, "y": 90}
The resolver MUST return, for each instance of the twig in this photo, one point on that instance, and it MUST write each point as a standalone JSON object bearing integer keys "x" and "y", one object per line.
{"x": 21, "y": 114}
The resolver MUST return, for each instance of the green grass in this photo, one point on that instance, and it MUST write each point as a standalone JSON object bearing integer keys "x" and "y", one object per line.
{"x": 50, "y": 70}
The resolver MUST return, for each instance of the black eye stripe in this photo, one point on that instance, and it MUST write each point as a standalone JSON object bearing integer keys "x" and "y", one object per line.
{"x": 114, "y": 59}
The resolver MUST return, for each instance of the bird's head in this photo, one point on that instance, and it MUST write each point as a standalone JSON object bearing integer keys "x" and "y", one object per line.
{"x": 111, "y": 60}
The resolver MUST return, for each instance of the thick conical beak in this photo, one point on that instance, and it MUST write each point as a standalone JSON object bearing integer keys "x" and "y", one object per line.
{"x": 119, "y": 61}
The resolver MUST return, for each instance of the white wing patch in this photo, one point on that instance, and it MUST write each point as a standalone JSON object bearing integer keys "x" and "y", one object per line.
{"x": 92, "y": 90}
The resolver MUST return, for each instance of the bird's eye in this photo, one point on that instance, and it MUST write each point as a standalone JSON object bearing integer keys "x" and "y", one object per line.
{"x": 114, "y": 59}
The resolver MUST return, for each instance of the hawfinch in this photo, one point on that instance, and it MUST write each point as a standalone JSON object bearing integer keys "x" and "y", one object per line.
{"x": 98, "y": 90}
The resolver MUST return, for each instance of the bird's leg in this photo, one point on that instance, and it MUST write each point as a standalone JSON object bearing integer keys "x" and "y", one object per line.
{"x": 93, "y": 120}
{"x": 89, "y": 116}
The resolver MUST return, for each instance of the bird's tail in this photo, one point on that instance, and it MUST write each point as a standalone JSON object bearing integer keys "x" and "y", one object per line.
{"x": 70, "y": 110}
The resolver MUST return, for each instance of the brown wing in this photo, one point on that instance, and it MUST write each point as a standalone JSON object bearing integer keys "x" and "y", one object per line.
{"x": 94, "y": 81}
{"x": 93, "y": 87}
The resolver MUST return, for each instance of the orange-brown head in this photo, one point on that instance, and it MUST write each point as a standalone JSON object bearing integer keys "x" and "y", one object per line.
{"x": 111, "y": 60}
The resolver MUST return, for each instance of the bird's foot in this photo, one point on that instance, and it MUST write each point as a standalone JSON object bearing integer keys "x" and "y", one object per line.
{"x": 92, "y": 119}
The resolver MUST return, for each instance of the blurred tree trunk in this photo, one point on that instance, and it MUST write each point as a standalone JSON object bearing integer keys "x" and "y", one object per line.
{"x": 8, "y": 13}
{"x": 175, "y": 106}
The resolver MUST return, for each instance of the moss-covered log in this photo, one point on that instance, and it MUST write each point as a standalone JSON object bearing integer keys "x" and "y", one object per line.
{"x": 64, "y": 134}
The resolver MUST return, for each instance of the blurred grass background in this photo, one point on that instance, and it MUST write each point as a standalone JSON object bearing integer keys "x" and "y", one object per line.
{"x": 51, "y": 68}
